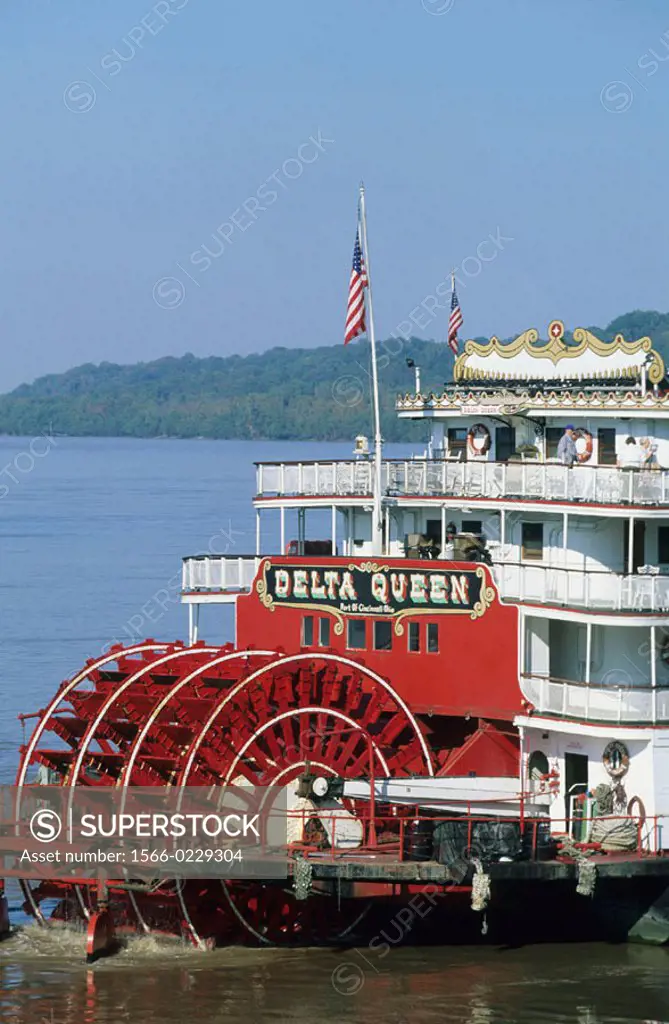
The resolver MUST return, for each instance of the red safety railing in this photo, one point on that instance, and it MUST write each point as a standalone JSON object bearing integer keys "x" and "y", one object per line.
{"x": 388, "y": 833}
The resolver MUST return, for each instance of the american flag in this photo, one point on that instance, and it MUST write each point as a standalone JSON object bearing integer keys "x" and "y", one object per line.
{"x": 355, "y": 313}
{"x": 455, "y": 322}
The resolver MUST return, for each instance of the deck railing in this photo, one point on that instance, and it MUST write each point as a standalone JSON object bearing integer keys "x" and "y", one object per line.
{"x": 541, "y": 481}
{"x": 575, "y": 588}
{"x": 540, "y": 584}
{"x": 595, "y": 702}
{"x": 219, "y": 573}
{"x": 474, "y": 832}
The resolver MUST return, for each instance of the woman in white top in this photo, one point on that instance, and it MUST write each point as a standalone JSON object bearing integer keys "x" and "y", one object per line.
{"x": 630, "y": 457}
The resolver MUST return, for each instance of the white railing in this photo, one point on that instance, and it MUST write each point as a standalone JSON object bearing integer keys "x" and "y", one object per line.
{"x": 575, "y": 588}
{"x": 528, "y": 480}
{"x": 602, "y": 591}
{"x": 315, "y": 478}
{"x": 219, "y": 573}
{"x": 589, "y": 702}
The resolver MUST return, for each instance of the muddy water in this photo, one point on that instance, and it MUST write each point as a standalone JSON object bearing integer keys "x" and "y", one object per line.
{"x": 43, "y": 981}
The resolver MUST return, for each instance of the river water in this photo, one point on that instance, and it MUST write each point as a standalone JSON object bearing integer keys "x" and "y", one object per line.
{"x": 43, "y": 981}
{"x": 92, "y": 532}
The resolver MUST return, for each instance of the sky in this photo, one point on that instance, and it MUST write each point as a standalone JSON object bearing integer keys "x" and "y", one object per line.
{"x": 522, "y": 143}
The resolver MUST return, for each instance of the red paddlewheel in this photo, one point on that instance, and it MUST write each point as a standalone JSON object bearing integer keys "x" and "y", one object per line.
{"x": 323, "y": 712}
{"x": 65, "y": 903}
{"x": 169, "y": 715}
{"x": 273, "y": 916}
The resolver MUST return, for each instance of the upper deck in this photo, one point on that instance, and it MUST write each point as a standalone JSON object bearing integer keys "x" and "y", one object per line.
{"x": 496, "y": 432}
{"x": 486, "y": 482}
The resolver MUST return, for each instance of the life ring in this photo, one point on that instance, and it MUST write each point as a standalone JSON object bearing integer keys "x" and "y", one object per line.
{"x": 616, "y": 759}
{"x": 583, "y": 442}
{"x": 641, "y": 813}
{"x": 478, "y": 439}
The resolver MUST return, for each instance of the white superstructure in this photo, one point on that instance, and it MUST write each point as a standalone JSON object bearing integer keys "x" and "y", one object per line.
{"x": 582, "y": 550}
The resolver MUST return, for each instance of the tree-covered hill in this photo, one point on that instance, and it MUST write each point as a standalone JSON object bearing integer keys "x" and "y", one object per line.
{"x": 319, "y": 393}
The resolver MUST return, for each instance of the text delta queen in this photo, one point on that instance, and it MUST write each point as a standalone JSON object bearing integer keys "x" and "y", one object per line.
{"x": 419, "y": 588}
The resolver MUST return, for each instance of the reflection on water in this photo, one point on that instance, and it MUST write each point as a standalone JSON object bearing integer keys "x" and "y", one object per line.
{"x": 43, "y": 981}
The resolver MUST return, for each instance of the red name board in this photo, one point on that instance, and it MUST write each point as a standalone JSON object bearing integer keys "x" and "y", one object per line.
{"x": 375, "y": 589}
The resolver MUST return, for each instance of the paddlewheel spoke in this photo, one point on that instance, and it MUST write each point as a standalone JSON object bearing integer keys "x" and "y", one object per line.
{"x": 274, "y": 917}
{"x": 169, "y": 715}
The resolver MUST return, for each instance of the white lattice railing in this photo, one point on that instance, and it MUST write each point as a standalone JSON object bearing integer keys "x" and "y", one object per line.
{"x": 573, "y": 588}
{"x": 219, "y": 573}
{"x": 528, "y": 480}
{"x": 590, "y": 702}
{"x": 532, "y": 583}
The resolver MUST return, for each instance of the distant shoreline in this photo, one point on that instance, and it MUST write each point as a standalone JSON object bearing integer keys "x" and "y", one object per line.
{"x": 318, "y": 394}
{"x": 152, "y": 437}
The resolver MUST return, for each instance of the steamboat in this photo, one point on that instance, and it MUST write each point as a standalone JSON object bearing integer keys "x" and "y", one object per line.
{"x": 463, "y": 688}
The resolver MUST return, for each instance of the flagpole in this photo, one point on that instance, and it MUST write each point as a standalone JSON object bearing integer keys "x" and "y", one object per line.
{"x": 377, "y": 534}
{"x": 453, "y": 339}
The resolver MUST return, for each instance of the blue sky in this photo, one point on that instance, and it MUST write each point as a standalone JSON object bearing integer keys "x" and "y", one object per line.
{"x": 135, "y": 133}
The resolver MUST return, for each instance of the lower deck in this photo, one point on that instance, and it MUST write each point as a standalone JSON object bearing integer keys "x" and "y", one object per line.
{"x": 380, "y": 869}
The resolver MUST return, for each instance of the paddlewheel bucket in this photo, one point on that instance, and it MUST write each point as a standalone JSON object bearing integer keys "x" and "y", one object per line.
{"x": 170, "y": 715}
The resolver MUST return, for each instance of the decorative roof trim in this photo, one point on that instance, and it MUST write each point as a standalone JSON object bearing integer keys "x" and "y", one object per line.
{"x": 538, "y": 400}
{"x": 556, "y": 350}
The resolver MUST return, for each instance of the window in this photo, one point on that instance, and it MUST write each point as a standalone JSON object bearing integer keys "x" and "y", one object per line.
{"x": 457, "y": 442}
{"x": 356, "y": 634}
{"x": 383, "y": 635}
{"x": 472, "y": 526}
{"x": 432, "y": 638}
{"x": 323, "y": 632}
{"x": 532, "y": 541}
{"x": 537, "y": 767}
{"x": 553, "y": 435}
{"x": 505, "y": 443}
{"x": 414, "y": 637}
{"x": 663, "y": 544}
{"x": 307, "y": 631}
{"x": 606, "y": 446}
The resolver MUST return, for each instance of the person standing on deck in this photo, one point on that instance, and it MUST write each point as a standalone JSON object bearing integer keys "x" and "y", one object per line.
{"x": 630, "y": 457}
{"x": 648, "y": 453}
{"x": 566, "y": 451}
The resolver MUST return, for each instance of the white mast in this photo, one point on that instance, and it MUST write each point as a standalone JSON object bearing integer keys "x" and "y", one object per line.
{"x": 377, "y": 514}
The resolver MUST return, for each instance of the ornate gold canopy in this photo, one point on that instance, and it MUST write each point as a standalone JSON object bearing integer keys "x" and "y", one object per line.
{"x": 555, "y": 350}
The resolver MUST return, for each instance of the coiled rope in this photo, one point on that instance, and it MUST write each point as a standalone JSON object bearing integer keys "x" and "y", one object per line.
{"x": 587, "y": 871}
{"x": 302, "y": 875}
{"x": 480, "y": 887}
{"x": 614, "y": 834}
